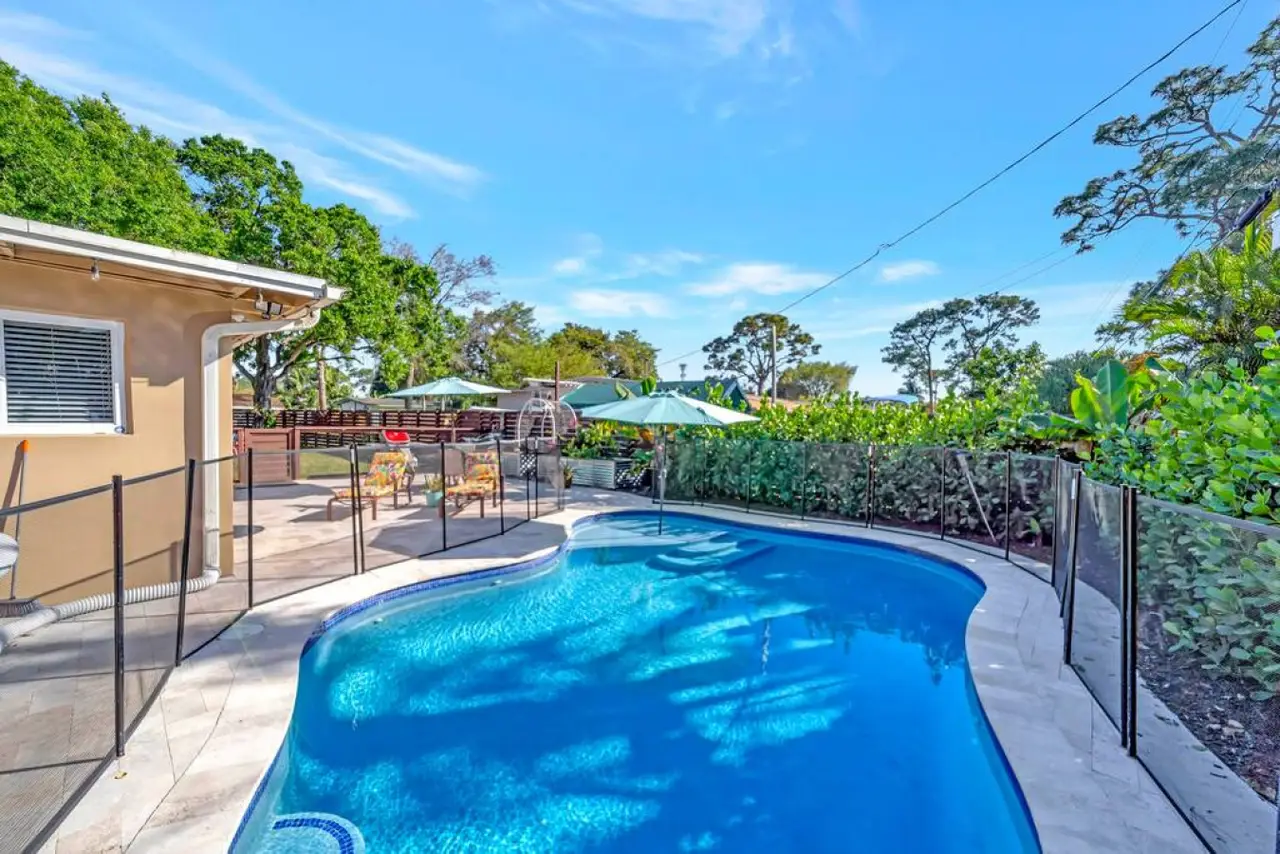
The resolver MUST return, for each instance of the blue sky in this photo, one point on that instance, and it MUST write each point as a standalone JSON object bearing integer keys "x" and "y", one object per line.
{"x": 671, "y": 165}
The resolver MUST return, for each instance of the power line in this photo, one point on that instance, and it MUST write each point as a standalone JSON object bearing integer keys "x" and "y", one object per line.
{"x": 998, "y": 175}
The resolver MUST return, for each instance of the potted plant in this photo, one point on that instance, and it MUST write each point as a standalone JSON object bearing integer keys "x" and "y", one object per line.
{"x": 432, "y": 490}
{"x": 566, "y": 471}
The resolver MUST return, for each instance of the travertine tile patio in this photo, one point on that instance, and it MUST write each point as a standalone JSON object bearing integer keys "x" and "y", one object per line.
{"x": 197, "y": 757}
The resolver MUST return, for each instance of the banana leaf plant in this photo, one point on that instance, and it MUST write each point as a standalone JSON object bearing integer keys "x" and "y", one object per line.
{"x": 1108, "y": 403}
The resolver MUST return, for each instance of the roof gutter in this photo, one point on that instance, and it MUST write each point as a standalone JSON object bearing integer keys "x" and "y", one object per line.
{"x": 99, "y": 247}
{"x": 211, "y": 424}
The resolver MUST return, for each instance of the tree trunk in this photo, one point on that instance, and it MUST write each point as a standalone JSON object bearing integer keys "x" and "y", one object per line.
{"x": 264, "y": 379}
{"x": 322, "y": 392}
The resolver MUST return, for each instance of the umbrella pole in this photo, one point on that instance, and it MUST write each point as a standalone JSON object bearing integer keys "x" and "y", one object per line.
{"x": 662, "y": 474}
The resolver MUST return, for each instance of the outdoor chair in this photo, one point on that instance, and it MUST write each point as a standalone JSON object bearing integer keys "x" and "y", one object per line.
{"x": 386, "y": 472}
{"x": 398, "y": 440}
{"x": 469, "y": 477}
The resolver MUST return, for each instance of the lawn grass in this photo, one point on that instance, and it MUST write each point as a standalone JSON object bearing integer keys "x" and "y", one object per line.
{"x": 316, "y": 464}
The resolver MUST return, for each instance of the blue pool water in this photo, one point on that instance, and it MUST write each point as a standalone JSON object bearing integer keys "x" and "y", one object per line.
{"x": 718, "y": 688}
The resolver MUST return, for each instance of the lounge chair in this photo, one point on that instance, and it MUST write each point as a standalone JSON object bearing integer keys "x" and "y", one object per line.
{"x": 383, "y": 480}
{"x": 475, "y": 479}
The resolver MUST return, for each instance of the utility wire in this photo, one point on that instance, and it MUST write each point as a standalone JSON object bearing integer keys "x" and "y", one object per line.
{"x": 995, "y": 177}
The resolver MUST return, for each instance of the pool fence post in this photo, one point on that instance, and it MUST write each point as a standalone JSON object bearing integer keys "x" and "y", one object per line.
{"x": 355, "y": 452}
{"x": 942, "y": 494}
{"x": 1055, "y": 480}
{"x": 871, "y": 483}
{"x": 183, "y": 567}
{"x": 701, "y": 443}
{"x": 1129, "y": 620}
{"x": 804, "y": 479}
{"x": 248, "y": 510}
{"x": 355, "y": 526}
{"x": 1069, "y": 589}
{"x": 1008, "y": 495}
{"x": 117, "y": 536}
{"x": 562, "y": 489}
{"x": 661, "y": 456}
{"x": 444, "y": 506}
{"x": 502, "y": 490}
{"x": 528, "y": 491}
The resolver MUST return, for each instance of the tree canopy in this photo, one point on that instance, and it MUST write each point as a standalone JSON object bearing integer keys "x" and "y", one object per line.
{"x": 977, "y": 336}
{"x": 80, "y": 163}
{"x": 746, "y": 352}
{"x": 815, "y": 379}
{"x": 1200, "y": 154}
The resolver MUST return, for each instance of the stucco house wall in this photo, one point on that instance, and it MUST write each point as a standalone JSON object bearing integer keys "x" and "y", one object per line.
{"x": 66, "y": 550}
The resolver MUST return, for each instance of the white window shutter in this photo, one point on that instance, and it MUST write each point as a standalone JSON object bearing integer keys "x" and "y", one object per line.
{"x": 58, "y": 374}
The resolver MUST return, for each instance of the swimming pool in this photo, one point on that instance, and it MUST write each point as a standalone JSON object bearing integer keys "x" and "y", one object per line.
{"x": 721, "y": 687}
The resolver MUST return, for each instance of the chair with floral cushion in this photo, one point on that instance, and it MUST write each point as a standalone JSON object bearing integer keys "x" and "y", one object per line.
{"x": 478, "y": 481}
{"x": 382, "y": 480}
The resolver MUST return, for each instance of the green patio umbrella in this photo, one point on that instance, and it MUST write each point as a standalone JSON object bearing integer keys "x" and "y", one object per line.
{"x": 665, "y": 409}
{"x": 448, "y": 387}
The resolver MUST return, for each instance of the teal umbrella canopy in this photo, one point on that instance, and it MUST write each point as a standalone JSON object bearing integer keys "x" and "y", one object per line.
{"x": 448, "y": 387}
{"x": 666, "y": 408}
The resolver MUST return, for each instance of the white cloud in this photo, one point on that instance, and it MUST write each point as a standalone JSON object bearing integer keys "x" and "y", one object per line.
{"x": 587, "y": 246}
{"x": 30, "y": 44}
{"x": 908, "y": 270}
{"x": 569, "y": 266}
{"x": 727, "y": 25}
{"x": 759, "y": 278}
{"x": 611, "y": 303}
{"x": 737, "y": 304}
{"x": 668, "y": 262}
{"x": 20, "y": 22}
{"x": 331, "y": 173}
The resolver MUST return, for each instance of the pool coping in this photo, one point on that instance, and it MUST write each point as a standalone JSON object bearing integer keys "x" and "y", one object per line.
{"x": 1083, "y": 793}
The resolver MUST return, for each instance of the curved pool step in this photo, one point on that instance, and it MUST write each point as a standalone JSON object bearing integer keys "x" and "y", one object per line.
{"x": 712, "y": 554}
{"x": 312, "y": 832}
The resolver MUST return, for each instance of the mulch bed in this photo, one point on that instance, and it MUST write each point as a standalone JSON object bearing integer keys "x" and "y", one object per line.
{"x": 1243, "y": 733}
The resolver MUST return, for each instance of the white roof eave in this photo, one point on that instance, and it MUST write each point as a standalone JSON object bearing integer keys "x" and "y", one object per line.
{"x": 87, "y": 244}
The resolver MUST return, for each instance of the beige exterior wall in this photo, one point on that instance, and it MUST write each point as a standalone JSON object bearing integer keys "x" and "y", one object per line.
{"x": 66, "y": 551}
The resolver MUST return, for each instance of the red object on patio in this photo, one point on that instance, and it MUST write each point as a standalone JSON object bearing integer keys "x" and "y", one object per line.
{"x": 395, "y": 437}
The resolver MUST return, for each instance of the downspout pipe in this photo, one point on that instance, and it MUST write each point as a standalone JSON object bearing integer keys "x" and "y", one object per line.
{"x": 211, "y": 343}
{"x": 211, "y": 348}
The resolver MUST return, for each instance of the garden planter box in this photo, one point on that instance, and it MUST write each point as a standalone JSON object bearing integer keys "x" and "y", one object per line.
{"x": 597, "y": 473}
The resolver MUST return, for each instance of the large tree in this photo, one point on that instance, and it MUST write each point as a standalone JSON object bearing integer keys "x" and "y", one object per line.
{"x": 490, "y": 331}
{"x": 746, "y": 352}
{"x": 978, "y": 337}
{"x": 1200, "y": 154}
{"x": 520, "y": 359}
{"x": 255, "y": 202}
{"x": 913, "y": 350}
{"x": 80, "y": 164}
{"x": 815, "y": 379}
{"x": 981, "y": 350}
{"x": 630, "y": 357}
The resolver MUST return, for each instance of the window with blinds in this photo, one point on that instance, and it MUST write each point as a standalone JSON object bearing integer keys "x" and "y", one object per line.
{"x": 59, "y": 373}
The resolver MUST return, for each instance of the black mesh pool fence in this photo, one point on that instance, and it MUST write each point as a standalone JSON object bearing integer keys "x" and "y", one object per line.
{"x": 1096, "y": 626}
{"x": 1208, "y": 669}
